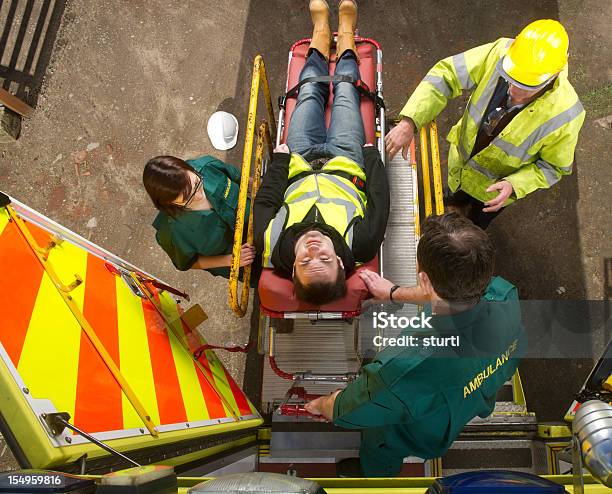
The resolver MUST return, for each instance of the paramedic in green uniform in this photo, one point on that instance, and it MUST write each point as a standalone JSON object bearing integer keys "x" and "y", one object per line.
{"x": 414, "y": 401}
{"x": 197, "y": 202}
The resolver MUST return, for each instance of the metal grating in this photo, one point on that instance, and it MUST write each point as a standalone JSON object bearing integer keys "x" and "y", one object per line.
{"x": 399, "y": 249}
{"x": 326, "y": 347}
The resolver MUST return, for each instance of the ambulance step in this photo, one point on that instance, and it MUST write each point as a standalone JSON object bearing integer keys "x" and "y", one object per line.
{"x": 312, "y": 449}
{"x": 305, "y": 438}
{"x": 504, "y": 453}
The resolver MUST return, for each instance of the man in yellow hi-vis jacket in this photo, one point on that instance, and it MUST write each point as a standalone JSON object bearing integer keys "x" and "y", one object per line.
{"x": 520, "y": 127}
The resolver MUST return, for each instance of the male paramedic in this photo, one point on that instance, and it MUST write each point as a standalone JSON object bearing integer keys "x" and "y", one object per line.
{"x": 519, "y": 129}
{"x": 324, "y": 201}
{"x": 414, "y": 400}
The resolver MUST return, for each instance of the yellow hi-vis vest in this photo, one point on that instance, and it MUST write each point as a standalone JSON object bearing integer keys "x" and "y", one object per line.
{"x": 338, "y": 201}
{"x": 534, "y": 150}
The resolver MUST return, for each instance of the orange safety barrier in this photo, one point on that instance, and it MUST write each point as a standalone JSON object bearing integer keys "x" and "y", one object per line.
{"x": 43, "y": 344}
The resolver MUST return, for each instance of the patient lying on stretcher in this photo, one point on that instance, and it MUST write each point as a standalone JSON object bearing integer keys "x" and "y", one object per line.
{"x": 324, "y": 201}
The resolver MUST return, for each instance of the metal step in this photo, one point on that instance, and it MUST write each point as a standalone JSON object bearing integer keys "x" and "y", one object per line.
{"x": 502, "y": 453}
{"x": 314, "y": 448}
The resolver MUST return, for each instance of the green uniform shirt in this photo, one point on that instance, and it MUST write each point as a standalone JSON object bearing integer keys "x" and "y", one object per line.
{"x": 203, "y": 233}
{"x": 424, "y": 397}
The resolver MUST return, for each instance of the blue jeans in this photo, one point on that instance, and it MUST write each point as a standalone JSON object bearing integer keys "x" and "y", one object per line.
{"x": 307, "y": 134}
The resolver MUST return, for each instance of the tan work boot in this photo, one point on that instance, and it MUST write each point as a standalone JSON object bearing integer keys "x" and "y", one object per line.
{"x": 347, "y": 22}
{"x": 321, "y": 32}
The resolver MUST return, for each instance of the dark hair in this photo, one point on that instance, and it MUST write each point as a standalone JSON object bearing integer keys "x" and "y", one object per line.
{"x": 320, "y": 293}
{"x": 165, "y": 178}
{"x": 457, "y": 256}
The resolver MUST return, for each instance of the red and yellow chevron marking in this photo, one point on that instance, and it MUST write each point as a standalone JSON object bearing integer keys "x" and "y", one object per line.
{"x": 58, "y": 362}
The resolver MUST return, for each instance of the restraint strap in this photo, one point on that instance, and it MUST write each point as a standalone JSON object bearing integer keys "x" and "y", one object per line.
{"x": 361, "y": 86}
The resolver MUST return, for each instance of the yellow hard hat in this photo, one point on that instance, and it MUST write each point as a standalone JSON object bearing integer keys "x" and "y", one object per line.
{"x": 537, "y": 54}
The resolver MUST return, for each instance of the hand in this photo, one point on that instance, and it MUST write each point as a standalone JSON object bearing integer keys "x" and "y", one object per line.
{"x": 400, "y": 137}
{"x": 247, "y": 255}
{"x": 377, "y": 285}
{"x": 323, "y": 406}
{"x": 505, "y": 191}
{"x": 282, "y": 148}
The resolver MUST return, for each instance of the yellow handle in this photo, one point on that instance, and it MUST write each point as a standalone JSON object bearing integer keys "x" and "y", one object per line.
{"x": 425, "y": 172}
{"x": 436, "y": 170}
{"x": 435, "y": 165}
{"x": 263, "y": 137}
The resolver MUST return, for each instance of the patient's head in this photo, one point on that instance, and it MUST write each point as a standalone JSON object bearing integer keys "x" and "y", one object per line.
{"x": 318, "y": 273}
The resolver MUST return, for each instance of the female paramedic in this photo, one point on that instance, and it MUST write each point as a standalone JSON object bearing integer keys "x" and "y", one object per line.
{"x": 197, "y": 202}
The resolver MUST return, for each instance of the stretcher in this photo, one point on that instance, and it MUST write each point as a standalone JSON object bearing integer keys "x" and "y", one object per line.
{"x": 276, "y": 294}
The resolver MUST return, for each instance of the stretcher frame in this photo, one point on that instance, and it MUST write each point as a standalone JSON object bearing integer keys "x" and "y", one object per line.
{"x": 293, "y": 402}
{"x": 379, "y": 128}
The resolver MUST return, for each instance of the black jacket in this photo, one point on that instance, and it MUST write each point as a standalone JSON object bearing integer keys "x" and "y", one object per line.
{"x": 368, "y": 232}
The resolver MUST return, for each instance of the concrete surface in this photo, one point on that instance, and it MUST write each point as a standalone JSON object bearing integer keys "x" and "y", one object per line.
{"x": 131, "y": 80}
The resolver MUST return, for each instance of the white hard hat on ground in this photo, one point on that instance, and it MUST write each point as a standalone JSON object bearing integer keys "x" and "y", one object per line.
{"x": 222, "y": 130}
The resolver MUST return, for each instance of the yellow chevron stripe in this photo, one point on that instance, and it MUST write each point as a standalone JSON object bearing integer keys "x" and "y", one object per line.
{"x": 4, "y": 219}
{"x": 216, "y": 367}
{"x": 50, "y": 356}
{"x": 219, "y": 380}
{"x": 193, "y": 399}
{"x": 134, "y": 357}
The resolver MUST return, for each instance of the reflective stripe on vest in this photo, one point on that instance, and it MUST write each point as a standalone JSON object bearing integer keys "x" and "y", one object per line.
{"x": 476, "y": 109}
{"x": 440, "y": 84}
{"x": 522, "y": 150}
{"x": 550, "y": 174}
{"x": 336, "y": 198}
{"x": 463, "y": 74}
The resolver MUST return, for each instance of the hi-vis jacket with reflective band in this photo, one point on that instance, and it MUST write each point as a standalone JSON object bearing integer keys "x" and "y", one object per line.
{"x": 532, "y": 152}
{"x": 337, "y": 200}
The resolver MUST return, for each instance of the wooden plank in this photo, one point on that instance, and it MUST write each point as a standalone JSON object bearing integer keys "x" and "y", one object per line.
{"x": 15, "y": 104}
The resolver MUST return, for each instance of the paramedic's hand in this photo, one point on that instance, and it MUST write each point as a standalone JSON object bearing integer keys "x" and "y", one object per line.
{"x": 505, "y": 191}
{"x": 323, "y": 406}
{"x": 247, "y": 255}
{"x": 377, "y": 285}
{"x": 282, "y": 148}
{"x": 400, "y": 137}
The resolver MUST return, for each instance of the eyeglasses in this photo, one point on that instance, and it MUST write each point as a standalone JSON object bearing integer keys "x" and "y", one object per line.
{"x": 194, "y": 191}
